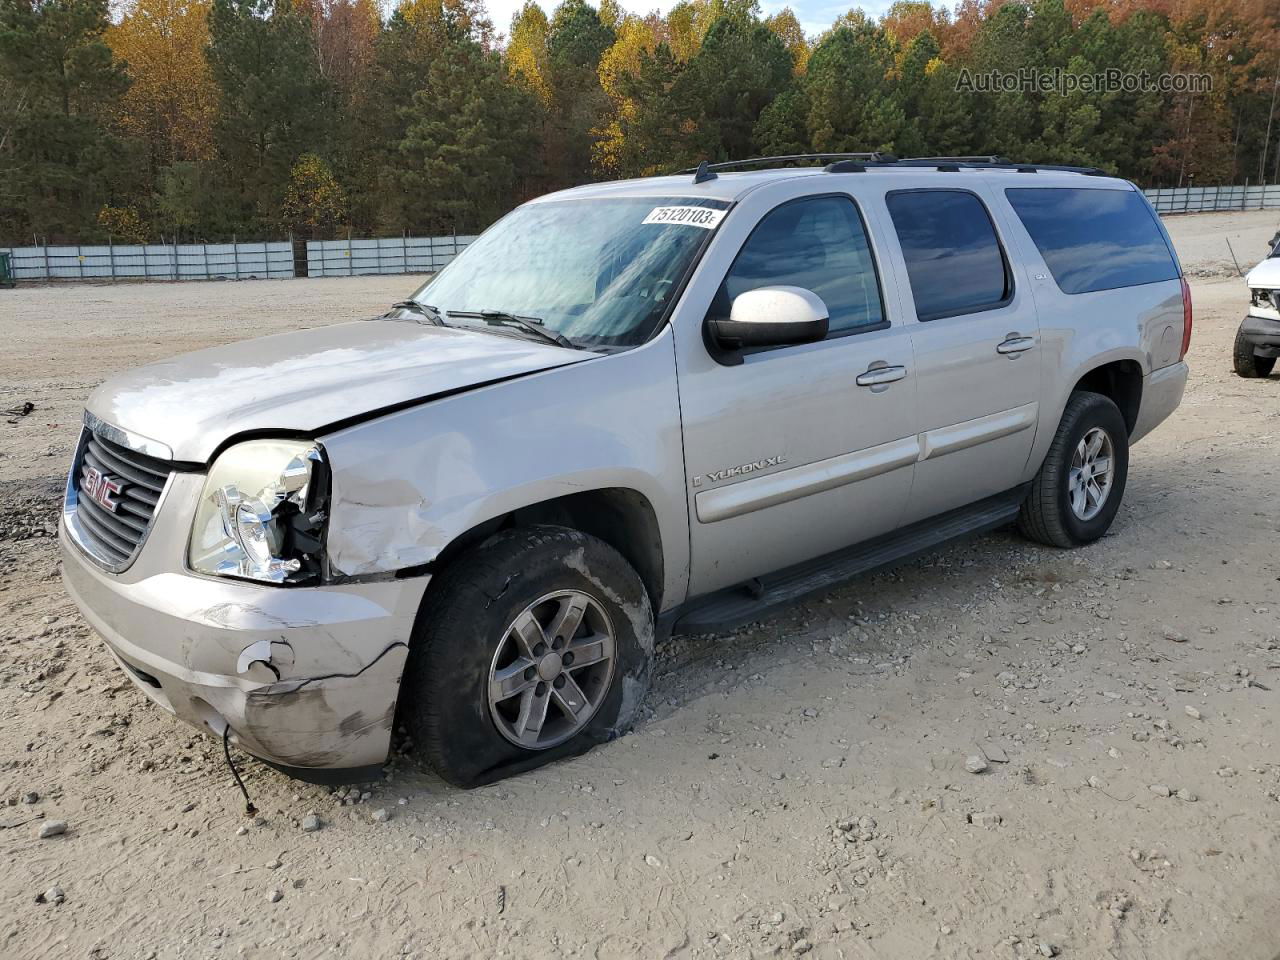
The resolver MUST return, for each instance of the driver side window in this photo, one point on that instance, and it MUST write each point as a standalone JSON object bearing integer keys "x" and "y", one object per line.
{"x": 820, "y": 244}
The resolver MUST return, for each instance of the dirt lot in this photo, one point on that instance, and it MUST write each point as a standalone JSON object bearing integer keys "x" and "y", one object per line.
{"x": 797, "y": 786}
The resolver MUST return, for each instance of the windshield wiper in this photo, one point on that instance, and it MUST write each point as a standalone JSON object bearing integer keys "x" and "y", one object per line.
{"x": 421, "y": 309}
{"x": 529, "y": 324}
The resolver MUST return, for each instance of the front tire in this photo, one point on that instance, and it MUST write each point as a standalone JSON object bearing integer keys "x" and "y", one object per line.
{"x": 1247, "y": 363}
{"x": 535, "y": 646}
{"x": 1077, "y": 492}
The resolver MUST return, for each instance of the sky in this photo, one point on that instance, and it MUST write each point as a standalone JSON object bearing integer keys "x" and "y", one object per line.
{"x": 815, "y": 15}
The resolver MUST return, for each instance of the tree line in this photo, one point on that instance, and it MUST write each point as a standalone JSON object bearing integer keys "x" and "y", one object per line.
{"x": 208, "y": 119}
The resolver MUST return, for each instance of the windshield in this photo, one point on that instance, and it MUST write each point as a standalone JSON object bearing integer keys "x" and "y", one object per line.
{"x": 600, "y": 272}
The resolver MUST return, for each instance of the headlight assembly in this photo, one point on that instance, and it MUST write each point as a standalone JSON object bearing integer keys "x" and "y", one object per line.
{"x": 261, "y": 514}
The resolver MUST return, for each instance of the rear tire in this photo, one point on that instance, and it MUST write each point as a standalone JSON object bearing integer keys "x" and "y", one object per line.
{"x": 1247, "y": 363}
{"x": 1072, "y": 500}
{"x": 483, "y": 693}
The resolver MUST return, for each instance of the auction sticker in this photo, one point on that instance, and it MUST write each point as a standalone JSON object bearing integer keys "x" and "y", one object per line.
{"x": 704, "y": 217}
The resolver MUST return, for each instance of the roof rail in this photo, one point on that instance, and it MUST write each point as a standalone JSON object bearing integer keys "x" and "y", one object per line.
{"x": 706, "y": 171}
{"x": 954, "y": 164}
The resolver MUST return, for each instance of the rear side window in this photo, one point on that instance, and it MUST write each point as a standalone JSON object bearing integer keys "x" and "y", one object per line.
{"x": 818, "y": 243}
{"x": 1094, "y": 239}
{"x": 954, "y": 260}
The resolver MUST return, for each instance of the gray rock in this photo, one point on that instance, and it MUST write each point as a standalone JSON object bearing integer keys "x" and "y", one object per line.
{"x": 53, "y": 895}
{"x": 1186, "y": 795}
{"x": 1192, "y": 712}
{"x": 1046, "y": 949}
{"x": 1160, "y": 790}
{"x": 801, "y": 946}
{"x": 31, "y": 797}
{"x": 976, "y": 764}
{"x": 52, "y": 828}
{"x": 275, "y": 895}
{"x": 381, "y": 815}
{"x": 311, "y": 823}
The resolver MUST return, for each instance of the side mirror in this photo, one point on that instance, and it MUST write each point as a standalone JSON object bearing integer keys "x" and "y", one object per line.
{"x": 770, "y": 317}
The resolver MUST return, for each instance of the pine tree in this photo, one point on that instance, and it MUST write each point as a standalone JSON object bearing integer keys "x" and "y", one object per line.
{"x": 469, "y": 136}
{"x": 741, "y": 66}
{"x": 578, "y": 107}
{"x": 851, "y": 105}
{"x": 60, "y": 159}
{"x": 273, "y": 104}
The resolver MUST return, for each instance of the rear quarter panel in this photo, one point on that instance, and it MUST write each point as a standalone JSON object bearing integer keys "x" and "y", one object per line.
{"x": 1081, "y": 332}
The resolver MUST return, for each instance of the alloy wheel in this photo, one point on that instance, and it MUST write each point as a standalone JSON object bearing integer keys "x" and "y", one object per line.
{"x": 1091, "y": 474}
{"x": 552, "y": 670}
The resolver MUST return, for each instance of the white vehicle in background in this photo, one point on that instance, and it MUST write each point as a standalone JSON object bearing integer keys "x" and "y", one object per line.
{"x": 1258, "y": 339}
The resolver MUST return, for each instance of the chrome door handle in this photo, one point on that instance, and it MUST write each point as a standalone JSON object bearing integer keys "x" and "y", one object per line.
{"x": 1016, "y": 345}
{"x": 878, "y": 375}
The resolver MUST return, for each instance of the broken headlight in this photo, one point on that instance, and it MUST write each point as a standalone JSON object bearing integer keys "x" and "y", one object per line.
{"x": 261, "y": 514}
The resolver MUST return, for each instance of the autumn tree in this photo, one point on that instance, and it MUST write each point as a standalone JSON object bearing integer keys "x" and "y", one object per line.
{"x": 527, "y": 56}
{"x": 636, "y": 38}
{"x": 314, "y": 204}
{"x": 172, "y": 99}
{"x": 787, "y": 28}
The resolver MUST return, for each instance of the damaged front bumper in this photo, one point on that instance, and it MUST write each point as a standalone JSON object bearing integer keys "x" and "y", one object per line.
{"x": 1262, "y": 331}
{"x": 305, "y": 677}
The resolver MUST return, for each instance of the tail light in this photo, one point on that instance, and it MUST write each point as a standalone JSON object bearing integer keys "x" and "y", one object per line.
{"x": 1186, "y": 319}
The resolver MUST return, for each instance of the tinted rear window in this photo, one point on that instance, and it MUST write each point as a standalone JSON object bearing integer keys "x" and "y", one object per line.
{"x": 1094, "y": 239}
{"x": 954, "y": 261}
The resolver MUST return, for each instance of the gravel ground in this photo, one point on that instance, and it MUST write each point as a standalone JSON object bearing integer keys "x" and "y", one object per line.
{"x": 801, "y": 786}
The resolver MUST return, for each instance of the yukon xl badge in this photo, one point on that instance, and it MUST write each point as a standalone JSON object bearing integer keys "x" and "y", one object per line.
{"x": 715, "y": 476}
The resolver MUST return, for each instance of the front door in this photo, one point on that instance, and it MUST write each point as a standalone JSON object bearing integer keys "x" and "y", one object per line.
{"x": 798, "y": 450}
{"x": 975, "y": 345}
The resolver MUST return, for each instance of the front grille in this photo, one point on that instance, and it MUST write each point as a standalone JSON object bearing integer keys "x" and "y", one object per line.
{"x": 131, "y": 481}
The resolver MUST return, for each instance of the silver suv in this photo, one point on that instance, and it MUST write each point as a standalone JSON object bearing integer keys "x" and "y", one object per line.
{"x": 668, "y": 404}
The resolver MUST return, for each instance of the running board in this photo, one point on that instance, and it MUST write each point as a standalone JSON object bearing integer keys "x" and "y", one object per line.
{"x": 741, "y": 604}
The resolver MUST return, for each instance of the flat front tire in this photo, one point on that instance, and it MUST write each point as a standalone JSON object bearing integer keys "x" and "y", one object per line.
{"x": 1077, "y": 491}
{"x": 534, "y": 646}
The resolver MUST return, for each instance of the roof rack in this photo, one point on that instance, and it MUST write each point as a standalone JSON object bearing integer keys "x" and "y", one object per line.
{"x": 954, "y": 164}
{"x": 707, "y": 171}
{"x": 860, "y": 162}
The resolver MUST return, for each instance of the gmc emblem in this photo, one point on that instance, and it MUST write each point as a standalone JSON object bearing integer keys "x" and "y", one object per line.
{"x": 99, "y": 487}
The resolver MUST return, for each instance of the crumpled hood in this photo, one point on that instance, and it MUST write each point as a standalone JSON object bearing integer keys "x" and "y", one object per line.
{"x": 1265, "y": 276}
{"x": 308, "y": 379}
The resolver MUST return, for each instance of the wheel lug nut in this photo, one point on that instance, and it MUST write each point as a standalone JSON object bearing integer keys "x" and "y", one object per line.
{"x": 530, "y": 673}
{"x": 540, "y": 690}
{"x": 558, "y": 682}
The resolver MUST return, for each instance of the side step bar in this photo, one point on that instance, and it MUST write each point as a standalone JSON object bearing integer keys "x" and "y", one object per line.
{"x": 734, "y": 606}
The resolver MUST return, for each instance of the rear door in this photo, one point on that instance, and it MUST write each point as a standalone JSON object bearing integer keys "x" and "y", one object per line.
{"x": 977, "y": 366}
